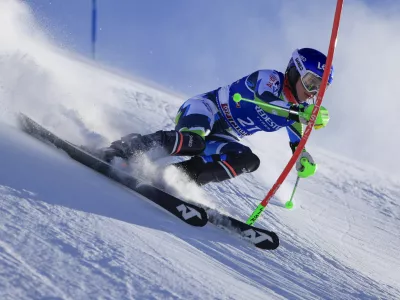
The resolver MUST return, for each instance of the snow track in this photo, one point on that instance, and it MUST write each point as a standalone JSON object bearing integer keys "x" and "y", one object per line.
{"x": 69, "y": 233}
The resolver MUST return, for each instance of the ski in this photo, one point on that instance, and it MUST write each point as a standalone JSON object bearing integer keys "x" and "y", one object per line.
{"x": 261, "y": 238}
{"x": 187, "y": 212}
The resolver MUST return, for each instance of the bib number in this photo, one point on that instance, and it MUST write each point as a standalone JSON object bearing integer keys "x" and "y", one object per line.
{"x": 248, "y": 123}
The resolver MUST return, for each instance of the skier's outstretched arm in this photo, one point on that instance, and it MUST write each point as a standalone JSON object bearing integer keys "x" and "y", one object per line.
{"x": 305, "y": 165}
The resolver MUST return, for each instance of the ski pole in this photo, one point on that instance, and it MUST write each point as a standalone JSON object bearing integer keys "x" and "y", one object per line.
{"x": 289, "y": 204}
{"x": 237, "y": 98}
{"x": 332, "y": 44}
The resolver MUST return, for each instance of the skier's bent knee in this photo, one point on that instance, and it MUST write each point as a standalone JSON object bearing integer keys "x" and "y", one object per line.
{"x": 251, "y": 161}
{"x": 219, "y": 167}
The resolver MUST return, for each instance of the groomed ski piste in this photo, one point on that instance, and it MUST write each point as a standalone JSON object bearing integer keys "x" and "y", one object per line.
{"x": 67, "y": 232}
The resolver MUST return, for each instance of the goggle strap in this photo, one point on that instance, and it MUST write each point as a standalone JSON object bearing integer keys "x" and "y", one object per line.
{"x": 299, "y": 63}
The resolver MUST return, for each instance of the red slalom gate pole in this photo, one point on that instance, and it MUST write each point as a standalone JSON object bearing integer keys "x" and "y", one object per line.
{"x": 332, "y": 44}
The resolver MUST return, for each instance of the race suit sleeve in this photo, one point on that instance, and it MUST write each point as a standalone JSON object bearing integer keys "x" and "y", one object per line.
{"x": 268, "y": 89}
{"x": 268, "y": 86}
{"x": 295, "y": 132}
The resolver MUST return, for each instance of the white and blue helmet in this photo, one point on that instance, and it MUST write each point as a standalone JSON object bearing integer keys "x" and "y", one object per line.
{"x": 309, "y": 65}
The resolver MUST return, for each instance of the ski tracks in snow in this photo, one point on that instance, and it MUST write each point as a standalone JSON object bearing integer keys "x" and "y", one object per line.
{"x": 21, "y": 277}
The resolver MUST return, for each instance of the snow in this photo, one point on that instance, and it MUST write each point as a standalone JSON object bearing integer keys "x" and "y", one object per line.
{"x": 67, "y": 232}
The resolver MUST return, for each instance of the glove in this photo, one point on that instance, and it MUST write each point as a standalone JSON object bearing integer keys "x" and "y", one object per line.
{"x": 306, "y": 112}
{"x": 305, "y": 165}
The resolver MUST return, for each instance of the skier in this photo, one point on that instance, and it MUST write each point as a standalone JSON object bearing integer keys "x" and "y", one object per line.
{"x": 209, "y": 126}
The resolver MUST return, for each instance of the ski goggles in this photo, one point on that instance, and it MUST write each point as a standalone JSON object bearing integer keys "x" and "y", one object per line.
{"x": 311, "y": 82}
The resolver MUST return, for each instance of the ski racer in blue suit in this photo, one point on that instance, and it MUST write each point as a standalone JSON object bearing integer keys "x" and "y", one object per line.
{"x": 209, "y": 126}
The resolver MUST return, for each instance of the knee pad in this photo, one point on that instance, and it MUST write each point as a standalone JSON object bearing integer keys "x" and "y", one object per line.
{"x": 252, "y": 162}
{"x": 217, "y": 167}
{"x": 245, "y": 162}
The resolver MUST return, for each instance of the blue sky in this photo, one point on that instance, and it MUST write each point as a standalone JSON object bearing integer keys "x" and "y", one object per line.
{"x": 188, "y": 46}
{"x": 169, "y": 42}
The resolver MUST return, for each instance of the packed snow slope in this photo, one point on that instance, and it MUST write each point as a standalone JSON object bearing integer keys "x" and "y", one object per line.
{"x": 67, "y": 232}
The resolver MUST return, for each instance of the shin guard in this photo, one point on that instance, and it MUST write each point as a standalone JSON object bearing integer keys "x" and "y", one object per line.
{"x": 173, "y": 142}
